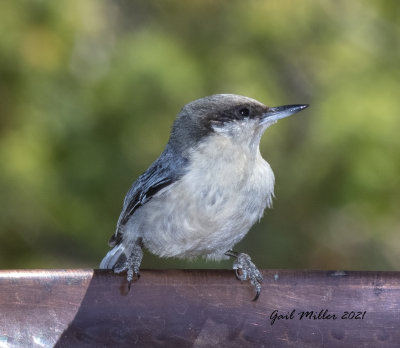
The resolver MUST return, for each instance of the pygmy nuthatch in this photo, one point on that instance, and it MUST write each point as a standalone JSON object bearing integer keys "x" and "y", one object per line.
{"x": 205, "y": 191}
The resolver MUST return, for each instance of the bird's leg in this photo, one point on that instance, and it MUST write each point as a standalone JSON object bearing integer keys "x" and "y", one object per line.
{"x": 132, "y": 264}
{"x": 245, "y": 269}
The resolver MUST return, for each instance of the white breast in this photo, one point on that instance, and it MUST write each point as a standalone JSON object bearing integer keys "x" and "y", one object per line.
{"x": 212, "y": 207}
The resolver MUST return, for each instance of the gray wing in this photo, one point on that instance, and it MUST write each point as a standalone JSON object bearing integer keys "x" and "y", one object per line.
{"x": 167, "y": 169}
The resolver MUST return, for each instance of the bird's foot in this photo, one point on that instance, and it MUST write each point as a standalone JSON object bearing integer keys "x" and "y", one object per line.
{"x": 132, "y": 264}
{"x": 245, "y": 269}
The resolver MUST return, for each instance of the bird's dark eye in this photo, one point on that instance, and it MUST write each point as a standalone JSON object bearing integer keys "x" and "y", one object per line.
{"x": 244, "y": 112}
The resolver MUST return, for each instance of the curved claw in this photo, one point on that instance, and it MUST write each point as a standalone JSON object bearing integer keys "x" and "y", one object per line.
{"x": 232, "y": 253}
{"x": 134, "y": 277}
{"x": 240, "y": 273}
{"x": 131, "y": 275}
{"x": 258, "y": 292}
{"x": 237, "y": 273}
{"x": 257, "y": 285}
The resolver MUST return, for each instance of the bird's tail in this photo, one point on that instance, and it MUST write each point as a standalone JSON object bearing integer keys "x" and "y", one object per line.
{"x": 115, "y": 259}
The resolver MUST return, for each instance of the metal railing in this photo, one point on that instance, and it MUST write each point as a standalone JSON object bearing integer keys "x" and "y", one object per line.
{"x": 198, "y": 308}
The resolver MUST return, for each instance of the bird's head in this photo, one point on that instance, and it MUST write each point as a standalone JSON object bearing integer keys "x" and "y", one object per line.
{"x": 238, "y": 118}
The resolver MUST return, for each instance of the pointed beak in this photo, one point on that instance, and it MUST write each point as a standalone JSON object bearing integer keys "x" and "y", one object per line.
{"x": 276, "y": 113}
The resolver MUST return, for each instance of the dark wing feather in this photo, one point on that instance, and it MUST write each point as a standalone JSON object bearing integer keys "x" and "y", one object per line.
{"x": 167, "y": 169}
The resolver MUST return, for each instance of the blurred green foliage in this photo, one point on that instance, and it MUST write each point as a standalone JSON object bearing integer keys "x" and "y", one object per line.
{"x": 89, "y": 90}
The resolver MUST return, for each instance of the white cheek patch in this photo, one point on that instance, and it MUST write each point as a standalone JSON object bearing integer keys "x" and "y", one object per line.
{"x": 240, "y": 131}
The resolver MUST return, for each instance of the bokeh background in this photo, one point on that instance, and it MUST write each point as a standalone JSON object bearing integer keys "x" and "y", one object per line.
{"x": 89, "y": 90}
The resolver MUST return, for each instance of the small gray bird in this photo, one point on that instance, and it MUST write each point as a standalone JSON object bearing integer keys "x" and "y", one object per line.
{"x": 205, "y": 191}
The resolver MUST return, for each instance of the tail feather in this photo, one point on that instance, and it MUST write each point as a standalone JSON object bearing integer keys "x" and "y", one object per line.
{"x": 115, "y": 259}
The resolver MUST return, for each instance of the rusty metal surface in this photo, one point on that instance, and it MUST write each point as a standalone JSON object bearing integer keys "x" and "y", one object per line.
{"x": 198, "y": 308}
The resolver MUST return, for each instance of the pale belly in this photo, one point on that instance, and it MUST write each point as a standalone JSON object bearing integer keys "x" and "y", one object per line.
{"x": 206, "y": 216}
